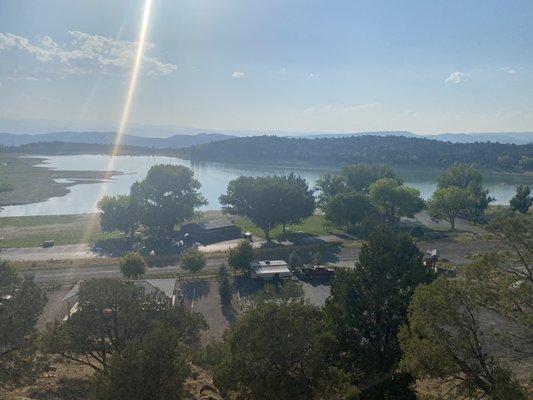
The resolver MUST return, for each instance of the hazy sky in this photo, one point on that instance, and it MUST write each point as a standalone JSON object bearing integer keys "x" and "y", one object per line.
{"x": 292, "y": 65}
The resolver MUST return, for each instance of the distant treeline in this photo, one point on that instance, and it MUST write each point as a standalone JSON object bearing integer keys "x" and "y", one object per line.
{"x": 65, "y": 148}
{"x": 392, "y": 150}
{"x": 268, "y": 150}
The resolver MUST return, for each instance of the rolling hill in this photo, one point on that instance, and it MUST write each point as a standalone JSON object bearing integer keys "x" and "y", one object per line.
{"x": 172, "y": 142}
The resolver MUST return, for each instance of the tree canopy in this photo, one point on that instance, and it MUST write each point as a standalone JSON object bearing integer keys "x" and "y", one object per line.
{"x": 298, "y": 200}
{"x": 193, "y": 260}
{"x": 359, "y": 177}
{"x": 395, "y": 200}
{"x": 240, "y": 256}
{"x": 350, "y": 210}
{"x": 269, "y": 201}
{"x": 352, "y": 178}
{"x": 21, "y": 302}
{"x": 392, "y": 150}
{"x": 522, "y": 200}
{"x": 132, "y": 266}
{"x": 503, "y": 281}
{"x": 273, "y": 352}
{"x": 443, "y": 340}
{"x": 368, "y": 304}
{"x": 447, "y": 203}
{"x": 466, "y": 177}
{"x": 167, "y": 196}
{"x": 151, "y": 368}
{"x": 110, "y": 314}
{"x": 118, "y": 214}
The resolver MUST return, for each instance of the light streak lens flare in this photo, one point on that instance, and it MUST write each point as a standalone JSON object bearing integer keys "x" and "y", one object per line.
{"x": 137, "y": 64}
{"x": 134, "y": 77}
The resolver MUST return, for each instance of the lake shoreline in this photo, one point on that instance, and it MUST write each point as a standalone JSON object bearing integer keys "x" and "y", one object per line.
{"x": 41, "y": 178}
{"x": 33, "y": 181}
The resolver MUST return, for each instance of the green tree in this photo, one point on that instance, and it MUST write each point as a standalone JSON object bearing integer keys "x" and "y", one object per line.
{"x": 443, "y": 341}
{"x": 240, "y": 256}
{"x": 110, "y": 314}
{"x": 193, "y": 260}
{"x": 118, "y": 214}
{"x": 353, "y": 178}
{"x": 295, "y": 261}
{"x": 360, "y": 177}
{"x": 349, "y": 210}
{"x": 395, "y": 200}
{"x": 368, "y": 304}
{"x": 448, "y": 203}
{"x": 522, "y": 200}
{"x": 225, "y": 288}
{"x": 269, "y": 201}
{"x": 327, "y": 187}
{"x": 21, "y": 302}
{"x": 132, "y": 266}
{"x": 152, "y": 368}
{"x": 503, "y": 281}
{"x": 465, "y": 176}
{"x": 298, "y": 200}
{"x": 273, "y": 352}
{"x": 167, "y": 196}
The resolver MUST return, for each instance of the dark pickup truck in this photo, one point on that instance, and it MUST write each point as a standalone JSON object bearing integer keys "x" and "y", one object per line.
{"x": 319, "y": 271}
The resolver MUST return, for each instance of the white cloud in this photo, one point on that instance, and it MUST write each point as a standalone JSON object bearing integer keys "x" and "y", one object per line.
{"x": 313, "y": 75}
{"x": 86, "y": 53}
{"x": 508, "y": 70}
{"x": 237, "y": 75}
{"x": 457, "y": 77}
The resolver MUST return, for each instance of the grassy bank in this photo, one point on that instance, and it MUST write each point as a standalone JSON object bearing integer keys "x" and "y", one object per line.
{"x": 314, "y": 225}
{"x": 32, "y": 231}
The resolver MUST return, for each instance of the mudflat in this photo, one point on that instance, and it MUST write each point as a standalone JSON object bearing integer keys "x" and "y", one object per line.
{"x": 27, "y": 179}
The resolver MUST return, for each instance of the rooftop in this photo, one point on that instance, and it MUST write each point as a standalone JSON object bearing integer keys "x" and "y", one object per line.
{"x": 166, "y": 286}
{"x": 268, "y": 263}
{"x": 215, "y": 224}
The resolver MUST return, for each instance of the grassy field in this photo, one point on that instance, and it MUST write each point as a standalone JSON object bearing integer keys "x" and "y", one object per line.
{"x": 314, "y": 225}
{"x": 32, "y": 231}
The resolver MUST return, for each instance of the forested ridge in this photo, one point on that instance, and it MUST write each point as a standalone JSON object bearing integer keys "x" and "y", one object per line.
{"x": 392, "y": 150}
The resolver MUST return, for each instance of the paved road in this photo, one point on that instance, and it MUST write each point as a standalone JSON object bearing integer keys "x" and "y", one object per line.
{"x": 454, "y": 252}
{"x": 65, "y": 252}
{"x": 71, "y": 275}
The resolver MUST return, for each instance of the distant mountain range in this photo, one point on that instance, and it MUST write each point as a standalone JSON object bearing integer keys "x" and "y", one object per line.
{"x": 172, "y": 142}
{"x": 186, "y": 140}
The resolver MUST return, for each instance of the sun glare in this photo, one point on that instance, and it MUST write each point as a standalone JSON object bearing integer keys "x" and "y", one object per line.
{"x": 137, "y": 66}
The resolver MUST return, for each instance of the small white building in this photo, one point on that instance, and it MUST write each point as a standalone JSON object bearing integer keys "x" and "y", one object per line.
{"x": 270, "y": 269}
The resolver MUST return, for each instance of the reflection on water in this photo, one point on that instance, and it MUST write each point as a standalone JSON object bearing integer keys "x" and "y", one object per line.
{"x": 214, "y": 178}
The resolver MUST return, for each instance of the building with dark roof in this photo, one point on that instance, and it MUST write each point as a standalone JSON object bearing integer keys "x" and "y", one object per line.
{"x": 211, "y": 231}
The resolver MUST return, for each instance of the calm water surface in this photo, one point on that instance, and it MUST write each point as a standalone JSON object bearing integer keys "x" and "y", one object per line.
{"x": 213, "y": 177}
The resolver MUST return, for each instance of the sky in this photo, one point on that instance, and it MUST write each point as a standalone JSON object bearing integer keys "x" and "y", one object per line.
{"x": 269, "y": 66}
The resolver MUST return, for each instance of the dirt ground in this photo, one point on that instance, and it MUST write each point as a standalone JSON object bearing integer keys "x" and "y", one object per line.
{"x": 64, "y": 381}
{"x": 203, "y": 297}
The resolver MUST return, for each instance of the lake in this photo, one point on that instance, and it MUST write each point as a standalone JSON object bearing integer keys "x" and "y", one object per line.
{"x": 214, "y": 178}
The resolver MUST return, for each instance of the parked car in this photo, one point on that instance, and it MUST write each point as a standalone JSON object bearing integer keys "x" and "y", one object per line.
{"x": 319, "y": 271}
{"x": 48, "y": 243}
